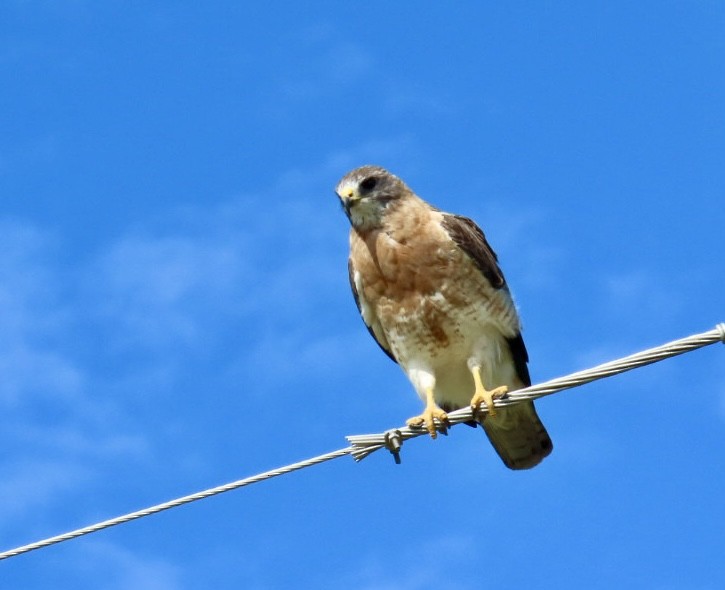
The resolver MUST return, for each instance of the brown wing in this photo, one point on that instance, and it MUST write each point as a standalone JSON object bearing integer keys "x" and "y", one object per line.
{"x": 471, "y": 239}
{"x": 518, "y": 435}
{"x": 381, "y": 340}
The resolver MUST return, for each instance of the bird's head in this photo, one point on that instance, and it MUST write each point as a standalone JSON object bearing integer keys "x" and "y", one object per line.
{"x": 367, "y": 192}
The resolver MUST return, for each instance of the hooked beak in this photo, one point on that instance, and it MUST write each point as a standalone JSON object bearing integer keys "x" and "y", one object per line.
{"x": 348, "y": 197}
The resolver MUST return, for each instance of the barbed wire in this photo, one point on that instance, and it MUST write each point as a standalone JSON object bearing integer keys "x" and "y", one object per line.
{"x": 363, "y": 445}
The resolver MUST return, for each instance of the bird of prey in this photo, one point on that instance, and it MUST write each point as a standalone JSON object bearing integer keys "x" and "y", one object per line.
{"x": 430, "y": 291}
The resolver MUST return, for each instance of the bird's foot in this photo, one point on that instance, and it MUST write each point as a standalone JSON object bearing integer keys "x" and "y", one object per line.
{"x": 427, "y": 419}
{"x": 486, "y": 397}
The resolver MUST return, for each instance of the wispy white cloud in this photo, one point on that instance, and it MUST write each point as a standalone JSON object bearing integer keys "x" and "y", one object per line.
{"x": 279, "y": 360}
{"x": 160, "y": 289}
{"x": 54, "y": 426}
{"x": 247, "y": 283}
{"x": 31, "y": 484}
{"x": 31, "y": 316}
{"x": 68, "y": 439}
{"x": 87, "y": 338}
{"x": 26, "y": 372}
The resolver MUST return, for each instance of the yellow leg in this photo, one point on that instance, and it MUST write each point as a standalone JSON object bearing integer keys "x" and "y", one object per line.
{"x": 485, "y": 396}
{"x": 429, "y": 415}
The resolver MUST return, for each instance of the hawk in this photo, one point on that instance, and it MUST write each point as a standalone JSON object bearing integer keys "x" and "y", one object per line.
{"x": 430, "y": 291}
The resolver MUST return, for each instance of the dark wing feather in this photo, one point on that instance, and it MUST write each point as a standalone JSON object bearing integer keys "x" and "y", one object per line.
{"x": 521, "y": 358}
{"x": 355, "y": 294}
{"x": 471, "y": 239}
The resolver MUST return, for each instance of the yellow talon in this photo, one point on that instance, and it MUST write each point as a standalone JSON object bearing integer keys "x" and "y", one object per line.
{"x": 485, "y": 396}
{"x": 430, "y": 414}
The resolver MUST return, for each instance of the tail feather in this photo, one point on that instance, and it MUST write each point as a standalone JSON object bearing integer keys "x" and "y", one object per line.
{"x": 518, "y": 436}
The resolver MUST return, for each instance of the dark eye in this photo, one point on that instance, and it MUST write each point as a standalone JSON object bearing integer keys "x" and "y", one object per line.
{"x": 369, "y": 183}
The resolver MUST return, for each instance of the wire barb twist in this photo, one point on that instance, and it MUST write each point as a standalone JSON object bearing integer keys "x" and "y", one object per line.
{"x": 363, "y": 445}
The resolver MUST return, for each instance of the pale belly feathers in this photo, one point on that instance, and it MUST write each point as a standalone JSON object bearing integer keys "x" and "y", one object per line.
{"x": 438, "y": 314}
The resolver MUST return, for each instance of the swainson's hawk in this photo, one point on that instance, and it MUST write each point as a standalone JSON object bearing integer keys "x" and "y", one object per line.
{"x": 430, "y": 291}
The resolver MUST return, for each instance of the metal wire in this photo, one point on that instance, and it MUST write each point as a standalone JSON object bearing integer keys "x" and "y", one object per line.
{"x": 363, "y": 445}
{"x": 174, "y": 503}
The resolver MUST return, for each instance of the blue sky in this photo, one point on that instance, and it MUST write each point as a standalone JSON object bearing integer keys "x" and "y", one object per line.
{"x": 175, "y": 314}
